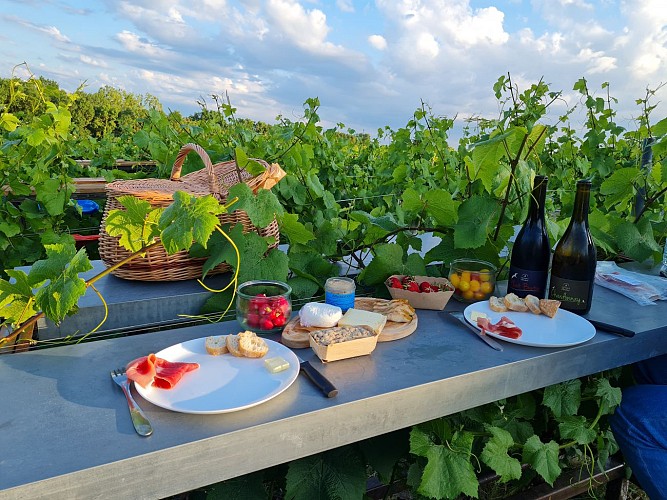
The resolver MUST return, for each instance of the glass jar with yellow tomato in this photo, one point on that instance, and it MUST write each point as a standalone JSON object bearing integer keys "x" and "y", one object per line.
{"x": 473, "y": 279}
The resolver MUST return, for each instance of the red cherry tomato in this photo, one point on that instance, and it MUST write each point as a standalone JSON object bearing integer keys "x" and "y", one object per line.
{"x": 265, "y": 324}
{"x": 253, "y": 320}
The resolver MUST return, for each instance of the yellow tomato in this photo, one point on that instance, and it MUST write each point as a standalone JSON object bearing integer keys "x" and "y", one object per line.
{"x": 486, "y": 287}
{"x": 454, "y": 278}
{"x": 484, "y": 274}
{"x": 475, "y": 285}
{"x": 464, "y": 286}
{"x": 479, "y": 295}
{"x": 468, "y": 295}
{"x": 465, "y": 276}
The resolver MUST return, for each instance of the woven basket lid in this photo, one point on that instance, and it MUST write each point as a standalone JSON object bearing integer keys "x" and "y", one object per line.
{"x": 155, "y": 189}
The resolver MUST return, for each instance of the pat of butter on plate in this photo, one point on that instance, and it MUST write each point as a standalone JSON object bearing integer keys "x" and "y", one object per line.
{"x": 277, "y": 364}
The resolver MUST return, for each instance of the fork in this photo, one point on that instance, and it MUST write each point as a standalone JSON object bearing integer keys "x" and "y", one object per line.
{"x": 139, "y": 420}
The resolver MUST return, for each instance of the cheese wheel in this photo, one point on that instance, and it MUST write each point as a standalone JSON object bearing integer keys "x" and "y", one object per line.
{"x": 320, "y": 315}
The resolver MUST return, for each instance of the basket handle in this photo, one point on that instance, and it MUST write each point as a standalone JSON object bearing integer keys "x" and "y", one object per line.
{"x": 180, "y": 159}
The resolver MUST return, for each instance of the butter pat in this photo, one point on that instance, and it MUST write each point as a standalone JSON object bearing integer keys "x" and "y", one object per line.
{"x": 359, "y": 317}
{"x": 275, "y": 365}
{"x": 475, "y": 315}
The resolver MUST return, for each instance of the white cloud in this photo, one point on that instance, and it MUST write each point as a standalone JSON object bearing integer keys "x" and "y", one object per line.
{"x": 345, "y": 5}
{"x": 378, "y": 42}
{"x": 92, "y": 62}
{"x": 133, "y": 43}
{"x": 305, "y": 28}
{"x": 597, "y": 62}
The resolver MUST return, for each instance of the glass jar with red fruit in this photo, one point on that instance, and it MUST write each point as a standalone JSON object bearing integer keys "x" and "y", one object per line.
{"x": 473, "y": 279}
{"x": 263, "y": 306}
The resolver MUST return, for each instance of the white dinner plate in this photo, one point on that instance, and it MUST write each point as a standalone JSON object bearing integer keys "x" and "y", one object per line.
{"x": 563, "y": 330}
{"x": 223, "y": 383}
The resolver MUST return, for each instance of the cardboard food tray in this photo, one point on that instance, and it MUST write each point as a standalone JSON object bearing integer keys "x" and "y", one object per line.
{"x": 420, "y": 300}
{"x": 344, "y": 350}
{"x": 296, "y": 336}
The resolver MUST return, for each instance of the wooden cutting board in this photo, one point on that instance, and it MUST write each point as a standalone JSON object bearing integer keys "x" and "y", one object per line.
{"x": 296, "y": 336}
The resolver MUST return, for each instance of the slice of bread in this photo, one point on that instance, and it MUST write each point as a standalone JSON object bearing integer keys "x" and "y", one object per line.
{"x": 549, "y": 307}
{"x": 252, "y": 346}
{"x": 533, "y": 304}
{"x": 515, "y": 303}
{"x": 497, "y": 304}
{"x": 232, "y": 342}
{"x": 216, "y": 345}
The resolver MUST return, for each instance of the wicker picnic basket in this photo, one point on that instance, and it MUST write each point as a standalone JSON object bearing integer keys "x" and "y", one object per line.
{"x": 216, "y": 179}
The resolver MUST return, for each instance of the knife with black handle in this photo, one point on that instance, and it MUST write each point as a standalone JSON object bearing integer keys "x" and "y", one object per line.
{"x": 611, "y": 328}
{"x": 459, "y": 317}
{"x": 327, "y": 388}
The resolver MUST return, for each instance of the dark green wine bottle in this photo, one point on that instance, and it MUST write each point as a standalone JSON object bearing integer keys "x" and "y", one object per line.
{"x": 575, "y": 258}
{"x": 531, "y": 252}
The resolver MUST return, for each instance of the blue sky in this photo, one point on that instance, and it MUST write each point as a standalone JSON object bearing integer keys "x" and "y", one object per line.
{"x": 370, "y": 63}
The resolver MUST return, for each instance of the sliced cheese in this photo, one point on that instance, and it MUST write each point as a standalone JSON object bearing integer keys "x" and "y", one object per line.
{"x": 277, "y": 364}
{"x": 475, "y": 315}
{"x": 358, "y": 317}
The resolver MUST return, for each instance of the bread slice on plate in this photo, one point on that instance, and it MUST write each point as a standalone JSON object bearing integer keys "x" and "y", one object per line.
{"x": 252, "y": 346}
{"x": 549, "y": 307}
{"x": 515, "y": 303}
{"x": 216, "y": 345}
{"x": 533, "y": 304}
{"x": 497, "y": 304}
{"x": 232, "y": 342}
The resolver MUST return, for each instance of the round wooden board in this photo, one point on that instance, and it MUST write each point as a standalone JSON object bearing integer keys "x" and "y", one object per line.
{"x": 296, "y": 336}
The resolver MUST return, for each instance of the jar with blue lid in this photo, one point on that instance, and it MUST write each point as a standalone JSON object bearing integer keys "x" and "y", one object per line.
{"x": 340, "y": 292}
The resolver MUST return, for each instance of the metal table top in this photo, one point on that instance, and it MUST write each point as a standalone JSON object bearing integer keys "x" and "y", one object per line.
{"x": 65, "y": 430}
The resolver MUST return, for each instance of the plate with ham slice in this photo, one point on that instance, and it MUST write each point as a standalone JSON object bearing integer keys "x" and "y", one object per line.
{"x": 219, "y": 384}
{"x": 525, "y": 328}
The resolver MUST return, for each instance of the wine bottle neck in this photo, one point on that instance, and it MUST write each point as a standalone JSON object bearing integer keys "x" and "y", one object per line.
{"x": 537, "y": 199}
{"x": 581, "y": 203}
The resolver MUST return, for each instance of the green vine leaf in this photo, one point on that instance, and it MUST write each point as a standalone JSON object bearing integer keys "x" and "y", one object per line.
{"x": 619, "y": 186}
{"x": 476, "y": 220}
{"x": 339, "y": 473}
{"x": 542, "y": 457}
{"x": 448, "y": 471}
{"x": 610, "y": 397}
{"x": 293, "y": 230}
{"x": 261, "y": 209}
{"x": 563, "y": 399}
{"x": 256, "y": 263}
{"x": 136, "y": 226}
{"x": 485, "y": 159}
{"x": 636, "y": 240}
{"x": 51, "y": 194}
{"x": 576, "y": 427}
{"x": 496, "y": 454}
{"x": 60, "y": 296}
{"x": 252, "y": 166}
{"x": 189, "y": 219}
{"x": 219, "y": 250}
{"x": 388, "y": 260}
{"x": 442, "y": 207}
{"x": 17, "y": 298}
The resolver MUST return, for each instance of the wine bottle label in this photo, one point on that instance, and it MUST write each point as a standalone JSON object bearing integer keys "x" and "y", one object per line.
{"x": 573, "y": 294}
{"x": 524, "y": 282}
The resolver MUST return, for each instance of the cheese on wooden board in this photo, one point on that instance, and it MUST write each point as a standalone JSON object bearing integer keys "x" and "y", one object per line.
{"x": 359, "y": 317}
{"x": 319, "y": 315}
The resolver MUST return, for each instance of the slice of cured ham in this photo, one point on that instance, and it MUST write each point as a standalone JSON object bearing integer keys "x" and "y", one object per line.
{"x": 504, "y": 327}
{"x": 161, "y": 373}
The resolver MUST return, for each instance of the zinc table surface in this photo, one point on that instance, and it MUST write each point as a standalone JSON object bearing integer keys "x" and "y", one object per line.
{"x": 65, "y": 430}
